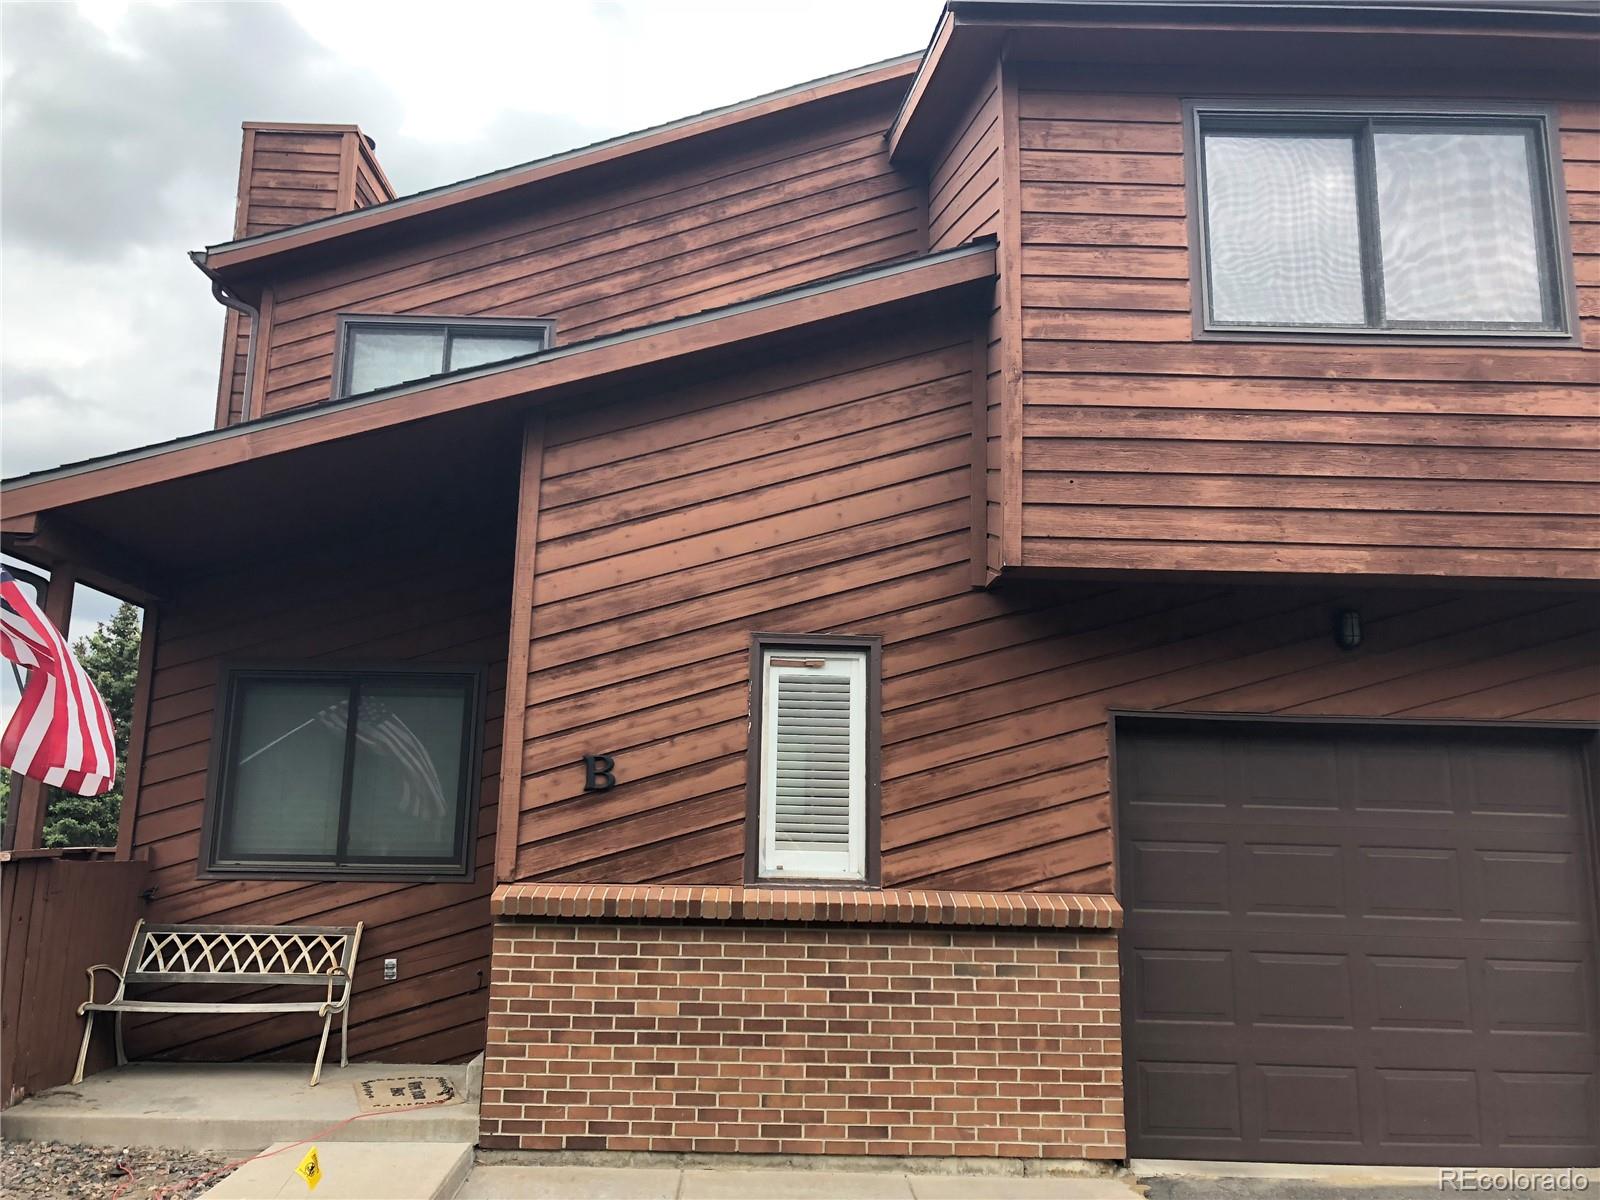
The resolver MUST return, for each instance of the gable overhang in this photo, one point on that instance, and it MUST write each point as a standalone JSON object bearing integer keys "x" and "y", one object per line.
{"x": 158, "y": 511}
{"x": 237, "y": 260}
{"x": 1551, "y": 43}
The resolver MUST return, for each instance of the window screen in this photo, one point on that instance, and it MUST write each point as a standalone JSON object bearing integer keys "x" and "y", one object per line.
{"x": 1354, "y": 222}
{"x": 380, "y": 354}
{"x": 813, "y": 732}
{"x": 361, "y": 771}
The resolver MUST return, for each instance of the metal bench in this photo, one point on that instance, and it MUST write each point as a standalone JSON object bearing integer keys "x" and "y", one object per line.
{"x": 294, "y": 955}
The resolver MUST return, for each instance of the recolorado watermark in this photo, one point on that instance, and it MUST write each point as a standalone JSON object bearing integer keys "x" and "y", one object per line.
{"x": 1566, "y": 1181}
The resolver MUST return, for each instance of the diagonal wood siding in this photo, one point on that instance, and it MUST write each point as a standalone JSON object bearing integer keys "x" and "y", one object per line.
{"x": 829, "y": 493}
{"x": 752, "y": 213}
{"x": 1145, "y": 449}
{"x": 441, "y": 597}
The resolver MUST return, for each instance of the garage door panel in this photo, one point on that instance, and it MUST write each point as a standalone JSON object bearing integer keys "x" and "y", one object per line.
{"x": 1430, "y": 1110}
{"x": 1309, "y": 1104}
{"x": 1552, "y": 1109}
{"x": 1534, "y": 887}
{"x": 1409, "y": 977}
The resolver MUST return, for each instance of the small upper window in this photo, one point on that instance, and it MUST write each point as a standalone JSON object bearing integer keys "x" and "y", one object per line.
{"x": 1362, "y": 222}
{"x": 379, "y": 352}
{"x": 814, "y": 741}
{"x": 324, "y": 770}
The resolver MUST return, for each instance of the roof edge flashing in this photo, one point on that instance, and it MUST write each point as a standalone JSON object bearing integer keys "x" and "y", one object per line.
{"x": 555, "y": 354}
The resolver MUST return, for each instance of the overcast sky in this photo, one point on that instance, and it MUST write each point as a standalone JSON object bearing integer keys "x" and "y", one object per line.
{"x": 119, "y": 152}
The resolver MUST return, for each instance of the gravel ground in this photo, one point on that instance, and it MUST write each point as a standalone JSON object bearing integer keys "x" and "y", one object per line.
{"x": 56, "y": 1170}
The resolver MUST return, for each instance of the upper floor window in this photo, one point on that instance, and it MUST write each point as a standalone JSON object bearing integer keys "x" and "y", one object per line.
{"x": 381, "y": 352}
{"x": 1339, "y": 221}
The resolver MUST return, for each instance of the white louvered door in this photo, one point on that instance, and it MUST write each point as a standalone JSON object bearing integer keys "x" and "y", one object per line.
{"x": 813, "y": 764}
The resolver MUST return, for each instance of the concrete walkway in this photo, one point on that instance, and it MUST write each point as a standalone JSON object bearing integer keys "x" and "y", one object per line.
{"x": 497, "y": 1182}
{"x": 244, "y": 1106}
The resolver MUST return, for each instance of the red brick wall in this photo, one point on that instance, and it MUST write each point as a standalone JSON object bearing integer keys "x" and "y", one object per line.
{"x": 803, "y": 1040}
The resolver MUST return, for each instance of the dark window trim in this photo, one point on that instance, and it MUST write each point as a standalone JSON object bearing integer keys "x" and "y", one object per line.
{"x": 344, "y": 322}
{"x": 463, "y": 866}
{"x": 1554, "y": 233}
{"x": 873, "y": 819}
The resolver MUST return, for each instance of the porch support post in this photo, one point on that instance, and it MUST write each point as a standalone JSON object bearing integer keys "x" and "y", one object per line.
{"x": 136, "y": 733}
{"x": 517, "y": 652}
{"x": 25, "y": 815}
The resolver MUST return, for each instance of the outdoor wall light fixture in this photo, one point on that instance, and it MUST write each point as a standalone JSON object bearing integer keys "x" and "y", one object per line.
{"x": 1347, "y": 629}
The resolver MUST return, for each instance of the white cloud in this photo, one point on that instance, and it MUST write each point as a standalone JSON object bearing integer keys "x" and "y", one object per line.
{"x": 121, "y": 141}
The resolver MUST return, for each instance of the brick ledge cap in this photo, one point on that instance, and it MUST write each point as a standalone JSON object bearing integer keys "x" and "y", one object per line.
{"x": 813, "y": 906}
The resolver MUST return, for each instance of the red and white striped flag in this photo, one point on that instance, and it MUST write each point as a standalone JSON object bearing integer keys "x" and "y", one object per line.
{"x": 61, "y": 732}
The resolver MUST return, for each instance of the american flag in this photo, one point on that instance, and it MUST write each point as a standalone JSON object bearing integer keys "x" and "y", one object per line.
{"x": 61, "y": 732}
{"x": 381, "y": 728}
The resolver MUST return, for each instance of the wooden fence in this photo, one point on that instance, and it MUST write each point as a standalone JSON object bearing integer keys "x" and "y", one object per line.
{"x": 60, "y": 910}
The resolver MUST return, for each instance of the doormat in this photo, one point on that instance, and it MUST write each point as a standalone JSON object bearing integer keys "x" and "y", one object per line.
{"x": 405, "y": 1091}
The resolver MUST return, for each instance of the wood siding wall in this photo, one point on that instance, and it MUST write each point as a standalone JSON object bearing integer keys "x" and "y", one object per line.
{"x": 830, "y": 494}
{"x": 1146, "y": 449}
{"x": 289, "y": 175}
{"x": 59, "y": 916}
{"x": 972, "y": 193}
{"x": 758, "y": 211}
{"x": 441, "y": 598}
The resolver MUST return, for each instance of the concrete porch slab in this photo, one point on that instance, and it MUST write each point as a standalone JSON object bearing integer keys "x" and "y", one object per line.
{"x": 354, "y": 1171}
{"x": 225, "y": 1106}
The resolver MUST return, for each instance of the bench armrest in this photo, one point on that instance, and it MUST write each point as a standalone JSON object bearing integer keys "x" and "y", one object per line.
{"x": 335, "y": 974}
{"x": 90, "y": 973}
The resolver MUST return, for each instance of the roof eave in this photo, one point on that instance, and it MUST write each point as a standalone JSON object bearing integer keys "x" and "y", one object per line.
{"x": 252, "y": 252}
{"x": 539, "y": 377}
{"x": 972, "y": 34}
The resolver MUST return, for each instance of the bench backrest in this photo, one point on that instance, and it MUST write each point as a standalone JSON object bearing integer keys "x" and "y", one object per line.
{"x": 240, "y": 953}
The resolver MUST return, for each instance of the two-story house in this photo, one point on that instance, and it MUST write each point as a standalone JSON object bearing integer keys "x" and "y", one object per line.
{"x": 1032, "y": 599}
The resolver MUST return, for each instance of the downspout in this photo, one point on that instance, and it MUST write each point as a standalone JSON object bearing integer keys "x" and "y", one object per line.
{"x": 227, "y": 300}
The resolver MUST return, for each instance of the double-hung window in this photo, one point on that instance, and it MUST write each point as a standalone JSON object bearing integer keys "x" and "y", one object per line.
{"x": 349, "y": 772}
{"x": 1353, "y": 220}
{"x": 381, "y": 352}
{"x": 813, "y": 775}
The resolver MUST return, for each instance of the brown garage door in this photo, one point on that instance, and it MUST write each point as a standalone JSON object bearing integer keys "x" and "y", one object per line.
{"x": 1363, "y": 944}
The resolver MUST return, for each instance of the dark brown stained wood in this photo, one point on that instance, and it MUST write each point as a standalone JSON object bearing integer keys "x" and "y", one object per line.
{"x": 288, "y": 174}
{"x": 964, "y": 178}
{"x": 372, "y": 186}
{"x": 754, "y": 119}
{"x": 903, "y": 288}
{"x": 744, "y": 219}
{"x": 1010, "y": 344}
{"x": 138, "y": 730}
{"x": 672, "y": 525}
{"x": 438, "y": 595}
{"x": 59, "y": 915}
{"x": 514, "y": 730}
{"x": 1147, "y": 450}
{"x": 971, "y": 193}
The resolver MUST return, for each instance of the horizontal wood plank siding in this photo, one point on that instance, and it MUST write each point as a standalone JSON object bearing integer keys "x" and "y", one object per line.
{"x": 288, "y": 176}
{"x": 828, "y": 495}
{"x": 442, "y": 600}
{"x": 744, "y": 217}
{"x": 966, "y": 193}
{"x": 1144, "y": 449}
{"x": 293, "y": 178}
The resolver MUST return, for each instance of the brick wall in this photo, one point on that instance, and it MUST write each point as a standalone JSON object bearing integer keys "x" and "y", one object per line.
{"x": 803, "y": 1040}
